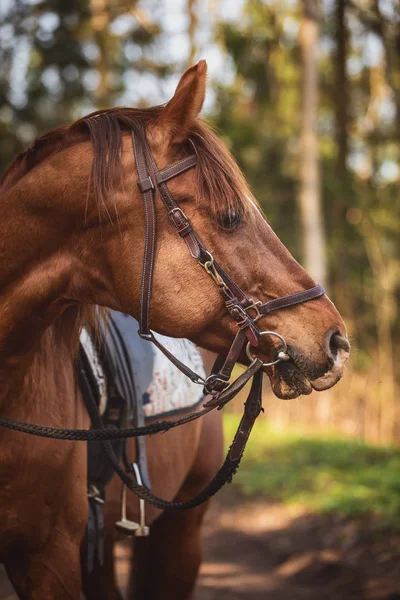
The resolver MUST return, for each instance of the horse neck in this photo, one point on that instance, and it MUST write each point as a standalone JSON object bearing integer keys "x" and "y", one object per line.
{"x": 36, "y": 268}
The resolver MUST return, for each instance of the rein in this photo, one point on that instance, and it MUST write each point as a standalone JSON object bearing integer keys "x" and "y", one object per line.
{"x": 244, "y": 311}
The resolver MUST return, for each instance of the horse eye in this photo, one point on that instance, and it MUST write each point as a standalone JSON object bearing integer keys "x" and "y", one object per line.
{"x": 230, "y": 220}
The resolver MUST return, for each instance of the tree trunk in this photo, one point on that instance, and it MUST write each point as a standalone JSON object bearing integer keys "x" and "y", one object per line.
{"x": 391, "y": 45}
{"x": 384, "y": 269}
{"x": 99, "y": 24}
{"x": 193, "y": 21}
{"x": 309, "y": 198}
{"x": 342, "y": 88}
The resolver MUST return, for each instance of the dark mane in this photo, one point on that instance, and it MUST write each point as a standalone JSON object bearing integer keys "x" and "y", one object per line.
{"x": 220, "y": 180}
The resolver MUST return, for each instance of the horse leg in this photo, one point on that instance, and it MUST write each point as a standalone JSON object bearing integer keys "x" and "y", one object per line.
{"x": 175, "y": 556}
{"x": 175, "y": 540}
{"x": 53, "y": 573}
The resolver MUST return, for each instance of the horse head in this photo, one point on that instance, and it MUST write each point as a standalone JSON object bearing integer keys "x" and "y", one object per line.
{"x": 93, "y": 253}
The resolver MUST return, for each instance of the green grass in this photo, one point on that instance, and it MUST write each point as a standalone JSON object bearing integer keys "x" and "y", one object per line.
{"x": 324, "y": 474}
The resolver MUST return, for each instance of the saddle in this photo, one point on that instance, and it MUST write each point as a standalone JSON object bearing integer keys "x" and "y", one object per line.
{"x": 130, "y": 381}
{"x": 105, "y": 373}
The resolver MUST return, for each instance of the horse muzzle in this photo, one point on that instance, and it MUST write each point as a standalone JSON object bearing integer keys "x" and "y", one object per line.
{"x": 300, "y": 374}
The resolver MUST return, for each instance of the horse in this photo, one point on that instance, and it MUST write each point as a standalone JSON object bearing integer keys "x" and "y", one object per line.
{"x": 72, "y": 229}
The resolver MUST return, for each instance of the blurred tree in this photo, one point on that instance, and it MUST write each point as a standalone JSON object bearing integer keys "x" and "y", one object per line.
{"x": 60, "y": 59}
{"x": 358, "y": 125}
{"x": 193, "y": 22}
{"x": 258, "y": 111}
{"x": 309, "y": 197}
{"x": 342, "y": 87}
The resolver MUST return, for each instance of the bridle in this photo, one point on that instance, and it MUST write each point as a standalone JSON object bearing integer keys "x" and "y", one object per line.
{"x": 244, "y": 311}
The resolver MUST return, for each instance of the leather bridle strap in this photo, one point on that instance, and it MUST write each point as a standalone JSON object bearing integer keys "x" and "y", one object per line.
{"x": 147, "y": 187}
{"x": 175, "y": 213}
{"x": 237, "y": 303}
{"x": 292, "y": 300}
{"x": 150, "y": 241}
{"x": 166, "y": 174}
{"x": 183, "y": 227}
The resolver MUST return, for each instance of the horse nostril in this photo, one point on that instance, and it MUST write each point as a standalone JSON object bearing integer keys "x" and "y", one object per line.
{"x": 337, "y": 342}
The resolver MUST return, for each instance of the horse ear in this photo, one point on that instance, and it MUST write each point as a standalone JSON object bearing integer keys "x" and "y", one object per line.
{"x": 181, "y": 111}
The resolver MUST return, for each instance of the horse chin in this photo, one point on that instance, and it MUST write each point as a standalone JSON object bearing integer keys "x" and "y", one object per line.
{"x": 288, "y": 382}
{"x": 299, "y": 376}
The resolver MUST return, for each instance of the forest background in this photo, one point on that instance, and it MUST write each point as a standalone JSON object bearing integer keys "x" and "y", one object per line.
{"x": 306, "y": 95}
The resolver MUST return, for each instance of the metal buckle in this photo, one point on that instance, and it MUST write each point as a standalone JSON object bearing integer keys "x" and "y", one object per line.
{"x": 179, "y": 210}
{"x": 255, "y": 306}
{"x": 94, "y": 494}
{"x": 282, "y": 354}
{"x": 212, "y": 380}
{"x": 145, "y": 336}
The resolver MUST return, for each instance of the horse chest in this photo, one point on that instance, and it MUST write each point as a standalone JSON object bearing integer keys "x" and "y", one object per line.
{"x": 35, "y": 493}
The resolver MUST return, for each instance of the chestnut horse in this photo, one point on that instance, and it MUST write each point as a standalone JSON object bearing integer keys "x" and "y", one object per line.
{"x": 72, "y": 236}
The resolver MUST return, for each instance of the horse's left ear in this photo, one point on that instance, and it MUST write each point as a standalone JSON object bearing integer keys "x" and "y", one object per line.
{"x": 181, "y": 111}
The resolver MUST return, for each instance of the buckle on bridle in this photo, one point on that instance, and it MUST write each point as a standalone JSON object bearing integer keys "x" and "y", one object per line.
{"x": 214, "y": 384}
{"x": 179, "y": 210}
{"x": 255, "y": 305}
{"x": 145, "y": 336}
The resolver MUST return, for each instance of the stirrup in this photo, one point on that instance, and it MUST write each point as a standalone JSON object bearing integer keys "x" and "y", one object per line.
{"x": 126, "y": 526}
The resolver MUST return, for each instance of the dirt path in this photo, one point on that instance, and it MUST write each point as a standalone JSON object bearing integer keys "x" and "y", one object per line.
{"x": 256, "y": 551}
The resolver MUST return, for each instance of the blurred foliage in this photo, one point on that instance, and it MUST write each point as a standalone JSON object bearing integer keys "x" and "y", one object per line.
{"x": 60, "y": 59}
{"x": 346, "y": 477}
{"x": 259, "y": 117}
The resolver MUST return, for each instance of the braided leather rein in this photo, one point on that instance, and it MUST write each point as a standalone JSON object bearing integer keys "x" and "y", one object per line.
{"x": 245, "y": 311}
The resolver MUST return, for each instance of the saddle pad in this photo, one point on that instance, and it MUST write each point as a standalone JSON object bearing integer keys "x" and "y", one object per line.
{"x": 138, "y": 364}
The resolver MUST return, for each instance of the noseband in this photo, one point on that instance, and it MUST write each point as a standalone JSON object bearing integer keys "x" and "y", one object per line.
{"x": 244, "y": 311}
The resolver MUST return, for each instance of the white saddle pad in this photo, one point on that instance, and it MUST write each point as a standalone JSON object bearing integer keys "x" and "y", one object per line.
{"x": 158, "y": 384}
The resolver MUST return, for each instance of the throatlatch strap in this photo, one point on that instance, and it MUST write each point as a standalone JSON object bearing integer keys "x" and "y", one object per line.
{"x": 175, "y": 361}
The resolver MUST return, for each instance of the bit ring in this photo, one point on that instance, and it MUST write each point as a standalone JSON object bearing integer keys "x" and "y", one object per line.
{"x": 282, "y": 355}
